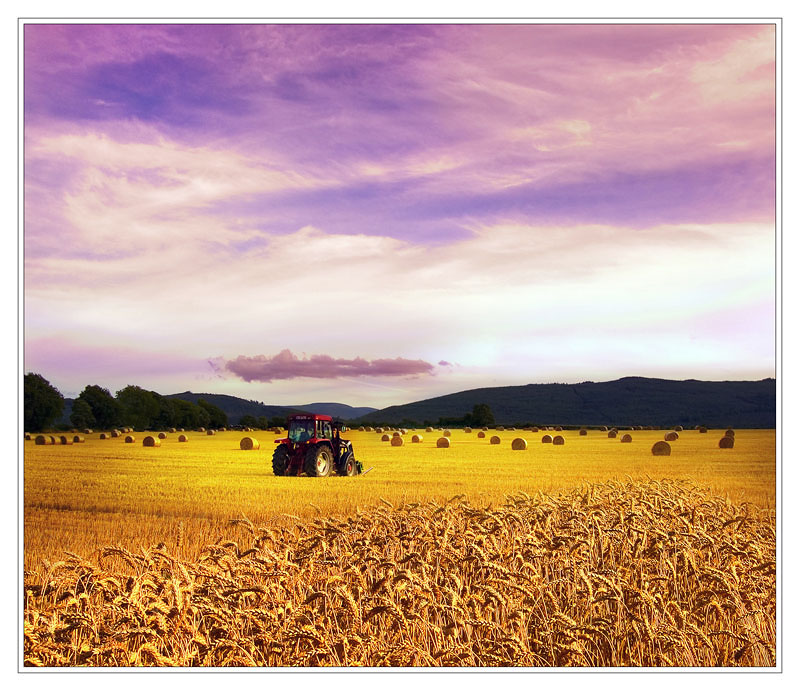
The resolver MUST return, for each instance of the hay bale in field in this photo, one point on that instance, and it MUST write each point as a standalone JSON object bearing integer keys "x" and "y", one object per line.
{"x": 726, "y": 442}
{"x": 396, "y": 434}
{"x": 626, "y": 439}
{"x": 379, "y": 430}
{"x": 416, "y": 439}
{"x": 361, "y": 429}
{"x": 583, "y": 432}
{"x": 87, "y": 431}
{"x": 442, "y": 443}
{"x": 446, "y": 433}
{"x": 678, "y": 428}
{"x": 150, "y": 440}
{"x": 115, "y": 433}
{"x": 162, "y": 435}
{"x": 467, "y": 430}
{"x": 547, "y": 439}
{"x": 249, "y": 444}
{"x": 661, "y": 448}
{"x": 604, "y": 429}
{"x": 535, "y": 430}
{"x": 130, "y": 439}
{"x": 519, "y": 444}
{"x": 494, "y": 440}
{"x": 500, "y": 428}
{"x": 612, "y": 434}
{"x": 386, "y": 437}
{"x": 201, "y": 429}
{"x": 559, "y": 429}
{"x": 397, "y": 441}
{"x": 558, "y": 440}
{"x": 511, "y": 429}
{"x": 702, "y": 430}
{"x": 172, "y": 430}
{"x": 481, "y": 435}
{"x": 42, "y": 440}
{"x": 368, "y": 429}
{"x": 103, "y": 435}
{"x": 183, "y": 437}
{"x": 211, "y": 433}
{"x": 78, "y": 439}
{"x": 27, "y": 437}
{"x": 429, "y": 429}
{"x": 730, "y": 433}
{"x": 671, "y": 436}
{"x": 484, "y": 429}
{"x": 63, "y": 439}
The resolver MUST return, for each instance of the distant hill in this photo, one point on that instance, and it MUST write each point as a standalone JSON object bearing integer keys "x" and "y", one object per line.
{"x": 235, "y": 408}
{"x": 335, "y": 410}
{"x": 627, "y": 401}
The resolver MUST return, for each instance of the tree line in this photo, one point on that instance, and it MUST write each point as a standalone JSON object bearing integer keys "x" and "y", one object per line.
{"x": 132, "y": 406}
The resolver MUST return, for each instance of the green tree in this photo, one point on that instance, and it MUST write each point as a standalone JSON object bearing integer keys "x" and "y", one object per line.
{"x": 105, "y": 408}
{"x": 139, "y": 407}
{"x": 217, "y": 416}
{"x": 81, "y": 415}
{"x": 481, "y": 416}
{"x": 248, "y": 421}
{"x": 166, "y": 416}
{"x": 263, "y": 423}
{"x": 43, "y": 402}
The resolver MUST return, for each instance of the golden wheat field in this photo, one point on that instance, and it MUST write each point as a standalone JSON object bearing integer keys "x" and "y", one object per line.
{"x": 592, "y": 553}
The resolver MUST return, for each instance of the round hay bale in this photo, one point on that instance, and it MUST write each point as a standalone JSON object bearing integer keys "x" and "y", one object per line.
{"x": 386, "y": 437}
{"x": 429, "y": 429}
{"x": 416, "y": 439}
{"x": 511, "y": 429}
{"x": 172, "y": 430}
{"x": 626, "y": 439}
{"x": 494, "y": 440}
{"x": 369, "y": 429}
{"x": 535, "y": 429}
{"x": 162, "y": 435}
{"x": 481, "y": 435}
{"x": 583, "y": 432}
{"x": 519, "y": 444}
{"x": 396, "y": 434}
{"x": 468, "y": 429}
{"x": 379, "y": 430}
{"x": 78, "y": 439}
{"x": 661, "y": 448}
{"x": 500, "y": 428}
{"x": 27, "y": 436}
{"x": 446, "y": 433}
{"x": 150, "y": 440}
{"x": 702, "y": 430}
{"x": 41, "y": 440}
{"x": 547, "y": 439}
{"x": 484, "y": 429}
{"x": 130, "y": 439}
{"x": 559, "y": 429}
{"x": 612, "y": 434}
{"x": 115, "y": 433}
{"x": 678, "y": 428}
{"x": 730, "y": 433}
{"x": 397, "y": 441}
{"x": 558, "y": 440}
{"x": 201, "y": 429}
{"x": 183, "y": 437}
{"x": 604, "y": 429}
{"x": 726, "y": 442}
{"x": 249, "y": 444}
{"x": 87, "y": 431}
{"x": 64, "y": 440}
{"x": 361, "y": 429}
{"x": 671, "y": 436}
{"x": 103, "y": 435}
{"x": 442, "y": 443}
{"x": 211, "y": 433}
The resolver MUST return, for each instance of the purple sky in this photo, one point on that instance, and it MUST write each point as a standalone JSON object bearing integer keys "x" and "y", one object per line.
{"x": 375, "y": 214}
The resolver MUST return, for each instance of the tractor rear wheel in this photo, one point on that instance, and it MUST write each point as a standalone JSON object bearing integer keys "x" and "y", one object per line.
{"x": 319, "y": 461}
{"x": 348, "y": 466}
{"x": 280, "y": 460}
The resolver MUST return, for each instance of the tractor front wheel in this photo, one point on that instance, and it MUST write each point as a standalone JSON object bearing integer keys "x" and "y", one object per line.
{"x": 348, "y": 466}
{"x": 280, "y": 460}
{"x": 319, "y": 461}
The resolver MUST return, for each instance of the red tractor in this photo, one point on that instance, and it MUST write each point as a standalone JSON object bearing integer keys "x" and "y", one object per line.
{"x": 314, "y": 446}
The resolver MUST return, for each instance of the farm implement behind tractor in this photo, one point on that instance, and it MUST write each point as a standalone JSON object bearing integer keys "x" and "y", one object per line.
{"x": 314, "y": 446}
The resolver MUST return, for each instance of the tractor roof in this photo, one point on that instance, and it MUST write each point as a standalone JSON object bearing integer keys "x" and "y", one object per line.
{"x": 310, "y": 416}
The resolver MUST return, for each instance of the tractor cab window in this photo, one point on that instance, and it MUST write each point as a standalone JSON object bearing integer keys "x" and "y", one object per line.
{"x": 324, "y": 430}
{"x": 301, "y": 430}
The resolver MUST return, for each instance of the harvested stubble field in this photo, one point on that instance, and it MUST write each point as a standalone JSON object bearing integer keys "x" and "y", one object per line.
{"x": 627, "y": 572}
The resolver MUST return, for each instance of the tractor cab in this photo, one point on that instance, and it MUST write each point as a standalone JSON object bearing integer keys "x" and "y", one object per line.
{"x": 314, "y": 446}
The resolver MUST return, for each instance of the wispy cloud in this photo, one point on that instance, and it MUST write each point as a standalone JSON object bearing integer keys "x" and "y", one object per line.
{"x": 286, "y": 365}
